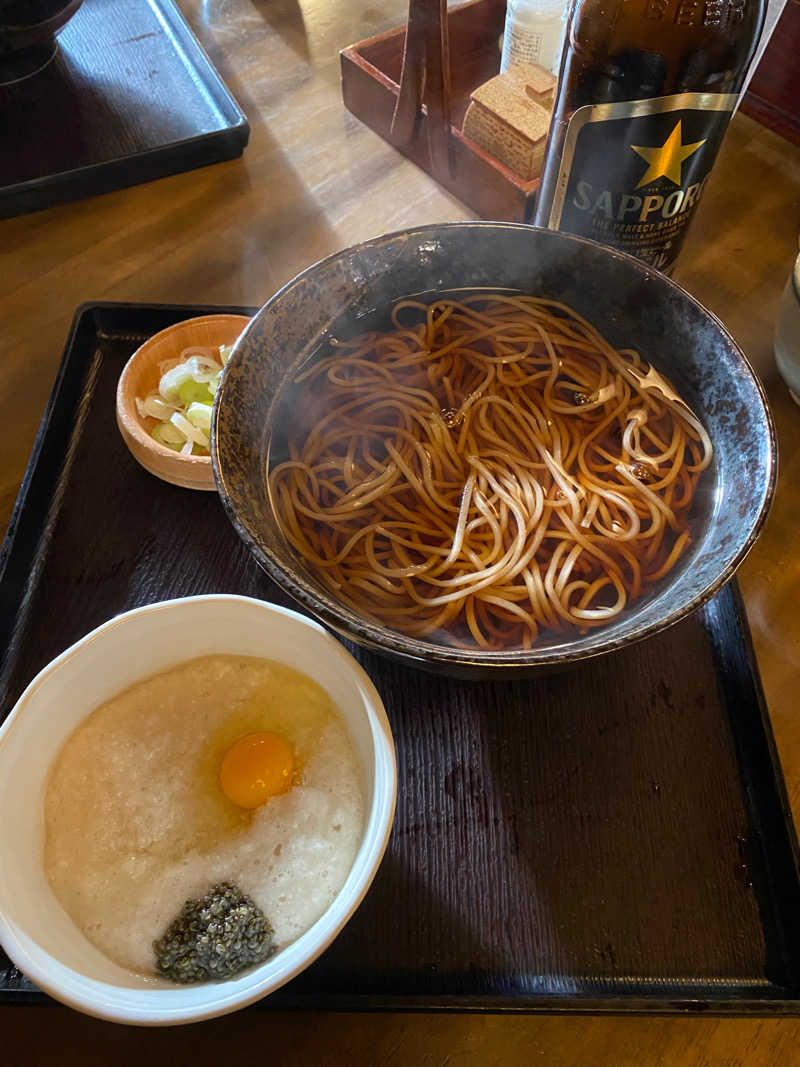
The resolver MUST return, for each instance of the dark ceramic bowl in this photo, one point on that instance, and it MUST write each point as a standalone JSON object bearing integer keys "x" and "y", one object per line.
{"x": 633, "y": 305}
{"x": 24, "y": 23}
{"x": 28, "y": 30}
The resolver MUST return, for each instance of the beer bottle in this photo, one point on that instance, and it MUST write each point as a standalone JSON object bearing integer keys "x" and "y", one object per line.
{"x": 646, "y": 91}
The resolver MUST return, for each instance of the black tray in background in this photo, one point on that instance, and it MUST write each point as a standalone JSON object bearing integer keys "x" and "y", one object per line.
{"x": 615, "y": 838}
{"x": 131, "y": 96}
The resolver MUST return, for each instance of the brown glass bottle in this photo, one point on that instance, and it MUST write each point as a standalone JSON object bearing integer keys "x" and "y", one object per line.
{"x": 646, "y": 91}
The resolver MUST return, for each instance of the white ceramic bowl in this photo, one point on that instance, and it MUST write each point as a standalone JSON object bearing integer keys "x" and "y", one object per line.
{"x": 35, "y": 931}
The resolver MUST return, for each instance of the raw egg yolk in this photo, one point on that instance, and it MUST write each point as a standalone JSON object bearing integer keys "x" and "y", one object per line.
{"x": 255, "y": 768}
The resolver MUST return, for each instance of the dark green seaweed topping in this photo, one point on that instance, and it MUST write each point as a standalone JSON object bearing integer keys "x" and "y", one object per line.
{"x": 214, "y": 937}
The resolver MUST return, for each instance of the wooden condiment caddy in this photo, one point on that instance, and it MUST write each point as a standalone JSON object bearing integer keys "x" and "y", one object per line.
{"x": 404, "y": 85}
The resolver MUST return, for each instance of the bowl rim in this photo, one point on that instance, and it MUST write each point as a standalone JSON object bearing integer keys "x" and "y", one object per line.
{"x": 423, "y": 653}
{"x": 95, "y": 997}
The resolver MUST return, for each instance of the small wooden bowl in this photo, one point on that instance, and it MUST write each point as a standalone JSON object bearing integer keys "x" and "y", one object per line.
{"x": 141, "y": 376}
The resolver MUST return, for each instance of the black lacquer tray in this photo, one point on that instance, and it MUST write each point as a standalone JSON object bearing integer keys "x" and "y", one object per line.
{"x": 615, "y": 838}
{"x": 130, "y": 96}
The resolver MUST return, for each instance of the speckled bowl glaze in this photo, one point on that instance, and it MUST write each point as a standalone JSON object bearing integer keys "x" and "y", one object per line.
{"x": 632, "y": 304}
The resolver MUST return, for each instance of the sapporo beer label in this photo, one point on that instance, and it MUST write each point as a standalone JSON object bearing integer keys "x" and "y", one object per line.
{"x": 633, "y": 173}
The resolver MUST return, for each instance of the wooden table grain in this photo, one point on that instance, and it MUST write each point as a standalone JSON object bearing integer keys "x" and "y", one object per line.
{"x": 314, "y": 180}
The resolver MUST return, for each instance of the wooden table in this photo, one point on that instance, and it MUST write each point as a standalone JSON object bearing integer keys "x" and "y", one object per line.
{"x": 313, "y": 180}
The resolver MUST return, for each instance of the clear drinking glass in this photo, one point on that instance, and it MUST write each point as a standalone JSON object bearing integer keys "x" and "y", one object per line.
{"x": 787, "y": 333}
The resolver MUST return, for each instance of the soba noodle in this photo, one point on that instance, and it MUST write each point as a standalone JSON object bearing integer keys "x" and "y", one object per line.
{"x": 489, "y": 469}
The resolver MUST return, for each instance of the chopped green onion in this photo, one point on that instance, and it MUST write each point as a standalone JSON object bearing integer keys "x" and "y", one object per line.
{"x": 203, "y": 368}
{"x": 184, "y": 399}
{"x": 153, "y": 407}
{"x": 199, "y": 415}
{"x": 191, "y": 433}
{"x": 171, "y": 382}
{"x": 166, "y": 434}
{"x": 192, "y": 392}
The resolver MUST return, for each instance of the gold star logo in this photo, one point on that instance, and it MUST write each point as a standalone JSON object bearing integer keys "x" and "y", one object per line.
{"x": 665, "y": 160}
